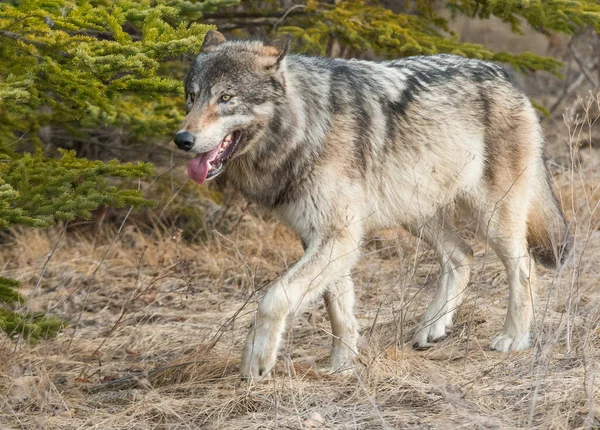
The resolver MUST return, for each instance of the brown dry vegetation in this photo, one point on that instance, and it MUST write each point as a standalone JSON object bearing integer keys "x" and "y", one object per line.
{"x": 156, "y": 326}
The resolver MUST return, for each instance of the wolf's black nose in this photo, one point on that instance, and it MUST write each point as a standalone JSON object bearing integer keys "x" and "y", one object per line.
{"x": 185, "y": 140}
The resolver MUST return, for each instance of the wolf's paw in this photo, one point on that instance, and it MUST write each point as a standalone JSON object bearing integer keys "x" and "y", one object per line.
{"x": 341, "y": 365}
{"x": 342, "y": 358}
{"x": 432, "y": 332}
{"x": 345, "y": 370}
{"x": 505, "y": 342}
{"x": 342, "y": 362}
{"x": 259, "y": 356}
{"x": 257, "y": 366}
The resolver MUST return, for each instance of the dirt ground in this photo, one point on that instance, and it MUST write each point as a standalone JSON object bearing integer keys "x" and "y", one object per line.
{"x": 156, "y": 326}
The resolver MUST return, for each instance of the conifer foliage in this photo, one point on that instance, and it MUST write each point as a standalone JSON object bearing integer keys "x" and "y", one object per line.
{"x": 416, "y": 27}
{"x": 81, "y": 65}
{"x": 32, "y": 326}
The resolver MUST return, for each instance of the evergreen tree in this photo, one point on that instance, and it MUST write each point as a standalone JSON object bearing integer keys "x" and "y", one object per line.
{"x": 78, "y": 65}
{"x": 413, "y": 27}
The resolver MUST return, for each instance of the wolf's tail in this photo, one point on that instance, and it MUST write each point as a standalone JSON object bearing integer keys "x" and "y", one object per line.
{"x": 548, "y": 236}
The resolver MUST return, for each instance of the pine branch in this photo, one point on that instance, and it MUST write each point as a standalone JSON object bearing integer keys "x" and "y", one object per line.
{"x": 35, "y": 43}
{"x": 253, "y": 14}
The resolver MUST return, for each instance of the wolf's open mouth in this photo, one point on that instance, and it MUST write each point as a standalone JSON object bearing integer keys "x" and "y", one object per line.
{"x": 209, "y": 164}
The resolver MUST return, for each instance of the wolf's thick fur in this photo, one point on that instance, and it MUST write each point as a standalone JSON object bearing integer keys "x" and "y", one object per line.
{"x": 338, "y": 148}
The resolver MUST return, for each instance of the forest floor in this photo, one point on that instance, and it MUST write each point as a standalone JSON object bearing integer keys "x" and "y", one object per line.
{"x": 156, "y": 327}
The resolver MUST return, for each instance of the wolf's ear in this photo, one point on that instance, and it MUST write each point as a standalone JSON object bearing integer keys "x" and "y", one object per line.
{"x": 212, "y": 39}
{"x": 280, "y": 46}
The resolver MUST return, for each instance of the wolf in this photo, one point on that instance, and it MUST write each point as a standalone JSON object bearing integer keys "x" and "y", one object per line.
{"x": 338, "y": 148}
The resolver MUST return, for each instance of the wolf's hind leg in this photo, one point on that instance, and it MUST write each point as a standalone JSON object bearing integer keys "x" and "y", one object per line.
{"x": 509, "y": 242}
{"x": 339, "y": 299}
{"x": 454, "y": 256}
{"x": 514, "y": 172}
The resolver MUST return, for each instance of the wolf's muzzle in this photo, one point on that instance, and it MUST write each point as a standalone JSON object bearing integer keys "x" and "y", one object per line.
{"x": 185, "y": 140}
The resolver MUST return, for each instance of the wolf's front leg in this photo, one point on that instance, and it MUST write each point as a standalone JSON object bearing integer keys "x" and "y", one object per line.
{"x": 325, "y": 260}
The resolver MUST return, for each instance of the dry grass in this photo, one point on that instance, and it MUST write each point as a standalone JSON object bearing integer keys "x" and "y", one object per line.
{"x": 157, "y": 326}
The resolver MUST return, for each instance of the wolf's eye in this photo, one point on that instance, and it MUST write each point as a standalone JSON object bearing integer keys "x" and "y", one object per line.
{"x": 192, "y": 97}
{"x": 224, "y": 98}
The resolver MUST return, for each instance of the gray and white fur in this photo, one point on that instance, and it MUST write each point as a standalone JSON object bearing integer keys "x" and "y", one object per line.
{"x": 339, "y": 148}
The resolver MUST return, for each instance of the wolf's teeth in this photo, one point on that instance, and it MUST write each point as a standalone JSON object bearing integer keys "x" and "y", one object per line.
{"x": 225, "y": 143}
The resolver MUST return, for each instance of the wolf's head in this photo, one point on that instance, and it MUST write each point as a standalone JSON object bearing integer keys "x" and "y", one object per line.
{"x": 231, "y": 93}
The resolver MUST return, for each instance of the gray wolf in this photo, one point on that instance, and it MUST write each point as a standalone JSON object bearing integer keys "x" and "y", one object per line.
{"x": 338, "y": 148}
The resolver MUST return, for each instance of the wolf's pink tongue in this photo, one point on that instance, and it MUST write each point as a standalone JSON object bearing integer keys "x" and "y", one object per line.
{"x": 199, "y": 166}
